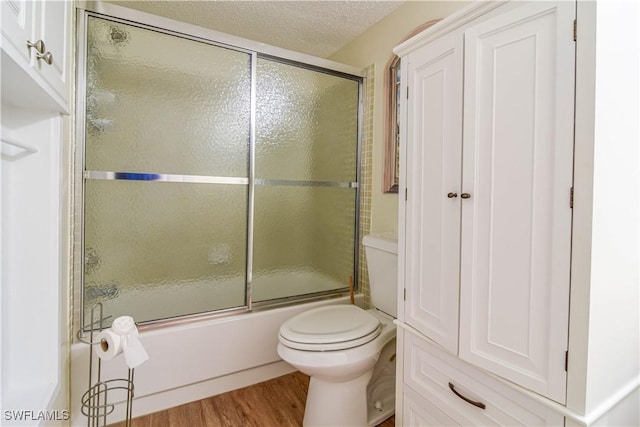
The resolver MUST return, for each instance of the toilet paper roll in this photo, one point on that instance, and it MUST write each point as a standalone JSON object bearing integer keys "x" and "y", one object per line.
{"x": 122, "y": 337}
{"x": 109, "y": 344}
{"x": 134, "y": 352}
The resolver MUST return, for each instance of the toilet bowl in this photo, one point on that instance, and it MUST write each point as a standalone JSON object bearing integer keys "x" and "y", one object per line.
{"x": 348, "y": 352}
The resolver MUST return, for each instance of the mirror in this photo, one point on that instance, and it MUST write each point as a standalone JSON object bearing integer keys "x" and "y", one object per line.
{"x": 392, "y": 129}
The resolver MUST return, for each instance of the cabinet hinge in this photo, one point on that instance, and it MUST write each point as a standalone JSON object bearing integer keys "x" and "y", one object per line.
{"x": 405, "y": 294}
{"x": 575, "y": 29}
{"x": 406, "y": 197}
{"x": 407, "y": 92}
{"x": 571, "y": 198}
{"x": 566, "y": 361}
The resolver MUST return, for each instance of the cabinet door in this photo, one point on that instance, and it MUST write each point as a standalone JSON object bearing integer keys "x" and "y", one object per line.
{"x": 516, "y": 225}
{"x": 34, "y": 82}
{"x": 434, "y": 138}
{"x": 53, "y": 26}
{"x": 17, "y": 26}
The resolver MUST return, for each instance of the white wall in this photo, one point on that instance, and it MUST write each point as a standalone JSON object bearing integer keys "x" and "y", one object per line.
{"x": 614, "y": 355}
{"x": 604, "y": 354}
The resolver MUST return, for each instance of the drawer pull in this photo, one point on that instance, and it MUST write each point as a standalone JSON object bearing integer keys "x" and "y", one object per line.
{"x": 474, "y": 403}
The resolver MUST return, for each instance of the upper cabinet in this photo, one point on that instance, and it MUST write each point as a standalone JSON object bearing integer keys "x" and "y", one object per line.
{"x": 517, "y": 171}
{"x": 488, "y": 176}
{"x": 35, "y": 54}
{"x": 433, "y": 171}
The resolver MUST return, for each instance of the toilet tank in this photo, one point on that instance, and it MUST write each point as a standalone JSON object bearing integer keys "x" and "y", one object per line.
{"x": 381, "y": 251}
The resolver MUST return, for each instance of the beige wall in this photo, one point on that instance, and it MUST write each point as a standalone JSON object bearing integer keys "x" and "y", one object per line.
{"x": 375, "y": 46}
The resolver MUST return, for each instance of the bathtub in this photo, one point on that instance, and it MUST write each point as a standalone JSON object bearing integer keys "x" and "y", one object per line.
{"x": 195, "y": 360}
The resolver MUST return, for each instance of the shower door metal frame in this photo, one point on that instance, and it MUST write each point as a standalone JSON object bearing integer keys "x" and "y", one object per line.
{"x": 332, "y": 184}
{"x": 121, "y": 15}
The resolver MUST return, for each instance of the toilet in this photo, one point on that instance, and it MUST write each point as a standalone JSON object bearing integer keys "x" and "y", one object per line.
{"x": 348, "y": 352}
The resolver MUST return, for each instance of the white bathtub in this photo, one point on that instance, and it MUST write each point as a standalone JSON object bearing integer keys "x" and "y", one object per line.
{"x": 195, "y": 360}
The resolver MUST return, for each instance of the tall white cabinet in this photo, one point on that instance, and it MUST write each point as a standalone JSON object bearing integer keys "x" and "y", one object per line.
{"x": 486, "y": 224}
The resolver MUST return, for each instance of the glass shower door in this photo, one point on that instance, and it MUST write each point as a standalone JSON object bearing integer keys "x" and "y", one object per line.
{"x": 167, "y": 137}
{"x": 306, "y": 156}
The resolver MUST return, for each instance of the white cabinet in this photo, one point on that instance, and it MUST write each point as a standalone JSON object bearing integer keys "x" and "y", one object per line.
{"x": 516, "y": 225}
{"x": 434, "y": 168}
{"x": 17, "y": 27}
{"x": 34, "y": 193}
{"x": 451, "y": 392}
{"x": 53, "y": 25}
{"x": 486, "y": 224}
{"x": 35, "y": 33}
{"x": 418, "y": 411}
{"x": 488, "y": 278}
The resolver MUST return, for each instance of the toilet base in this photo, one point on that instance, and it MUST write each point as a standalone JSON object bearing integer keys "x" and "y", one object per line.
{"x": 337, "y": 403}
{"x": 381, "y": 390}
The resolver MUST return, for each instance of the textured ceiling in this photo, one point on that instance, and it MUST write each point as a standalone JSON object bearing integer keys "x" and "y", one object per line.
{"x": 318, "y": 28}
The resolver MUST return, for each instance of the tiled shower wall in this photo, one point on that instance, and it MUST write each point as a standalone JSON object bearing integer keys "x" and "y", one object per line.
{"x": 366, "y": 166}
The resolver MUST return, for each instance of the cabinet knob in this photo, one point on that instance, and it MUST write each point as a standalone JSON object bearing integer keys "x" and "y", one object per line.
{"x": 452, "y": 195}
{"x": 46, "y": 57}
{"x": 465, "y": 195}
{"x": 38, "y": 46}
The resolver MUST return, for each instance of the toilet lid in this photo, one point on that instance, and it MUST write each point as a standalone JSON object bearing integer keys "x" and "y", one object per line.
{"x": 330, "y": 328}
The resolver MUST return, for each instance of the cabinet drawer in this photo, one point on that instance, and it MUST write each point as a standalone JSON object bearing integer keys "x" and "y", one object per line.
{"x": 432, "y": 372}
{"x": 418, "y": 411}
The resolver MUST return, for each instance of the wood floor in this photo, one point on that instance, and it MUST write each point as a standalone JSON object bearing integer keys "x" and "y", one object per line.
{"x": 278, "y": 402}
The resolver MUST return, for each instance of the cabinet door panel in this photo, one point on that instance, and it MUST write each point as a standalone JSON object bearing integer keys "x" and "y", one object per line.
{"x": 54, "y": 28}
{"x": 433, "y": 170}
{"x": 17, "y": 26}
{"x": 518, "y": 148}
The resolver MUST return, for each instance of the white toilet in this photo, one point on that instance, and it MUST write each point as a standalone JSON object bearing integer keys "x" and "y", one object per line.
{"x": 348, "y": 352}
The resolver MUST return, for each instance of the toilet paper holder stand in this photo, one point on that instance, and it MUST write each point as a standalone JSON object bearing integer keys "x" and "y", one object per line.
{"x": 97, "y": 401}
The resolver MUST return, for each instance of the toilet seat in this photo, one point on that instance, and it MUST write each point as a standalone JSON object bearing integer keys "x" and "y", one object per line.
{"x": 335, "y": 327}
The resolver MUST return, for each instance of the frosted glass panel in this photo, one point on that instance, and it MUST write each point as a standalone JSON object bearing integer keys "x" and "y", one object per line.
{"x": 306, "y": 124}
{"x": 161, "y": 103}
{"x": 303, "y": 240}
{"x": 158, "y": 250}
{"x": 164, "y": 107}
